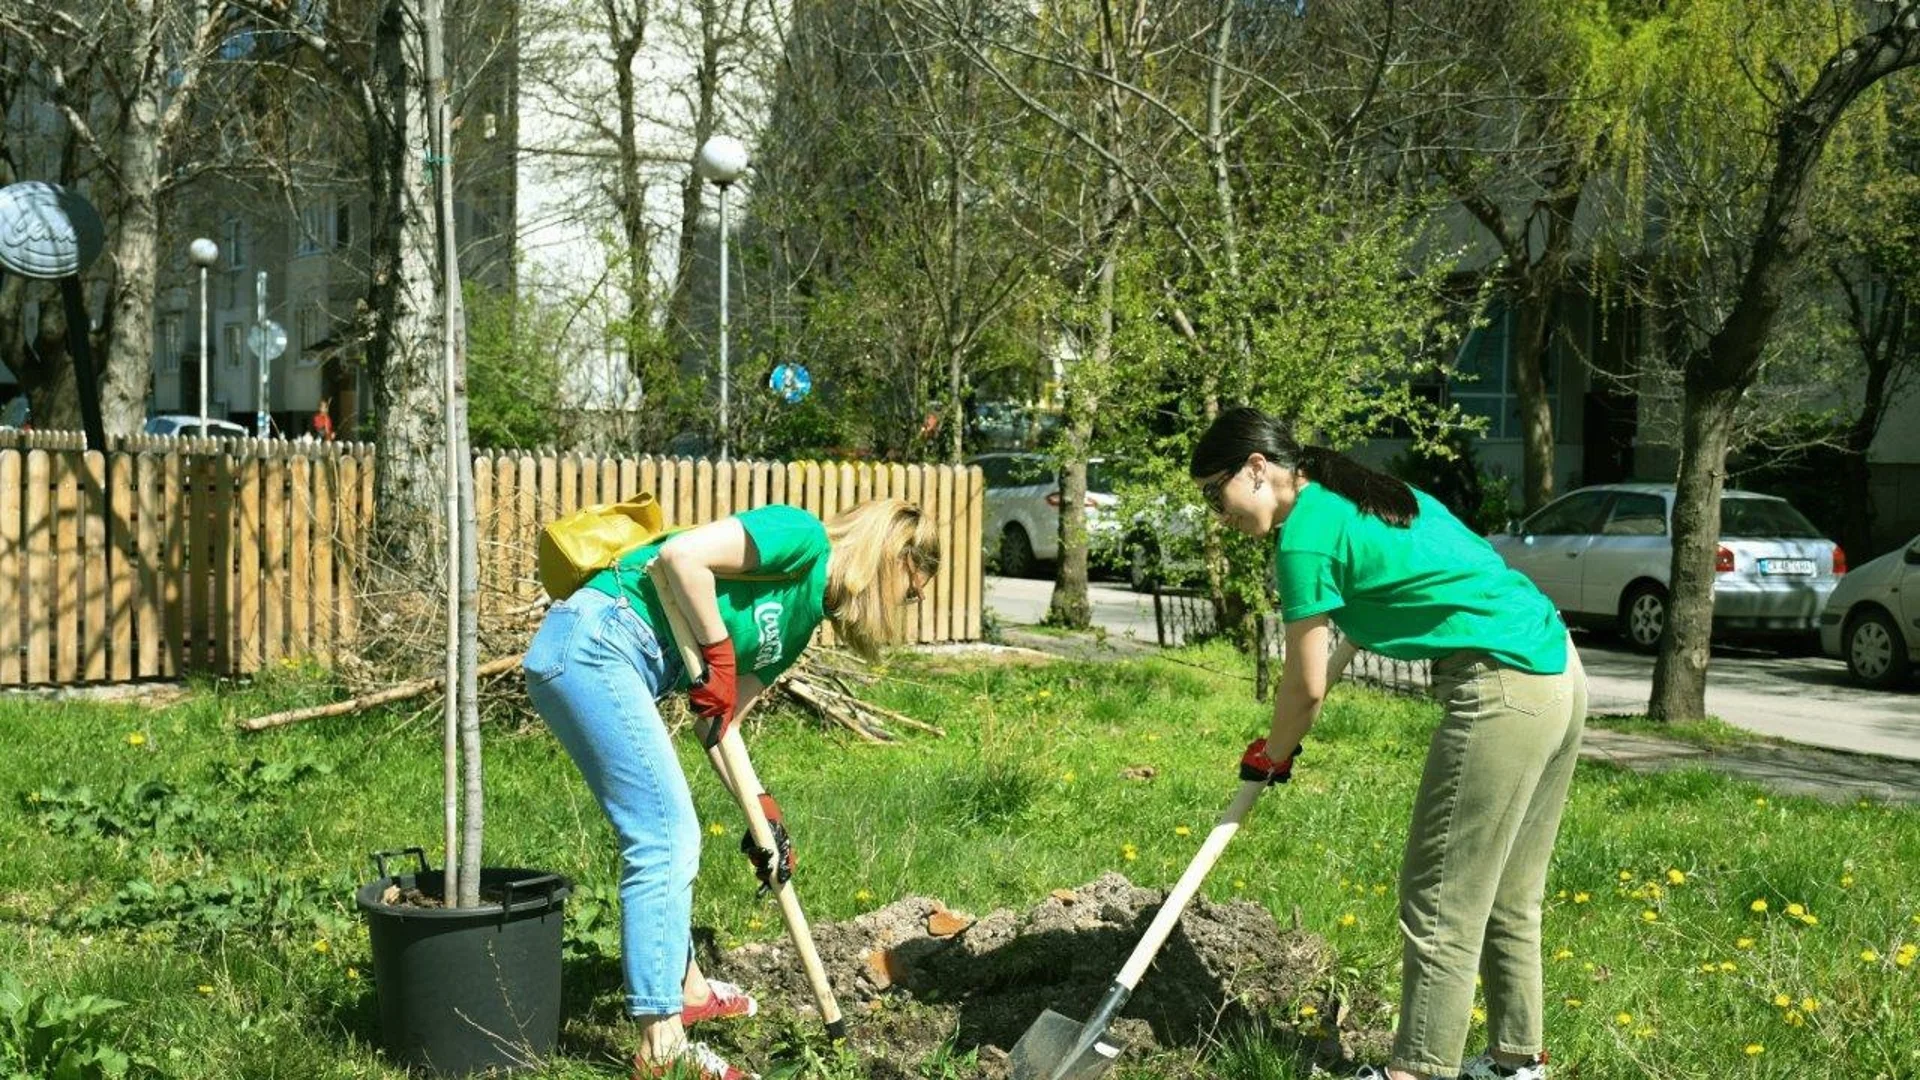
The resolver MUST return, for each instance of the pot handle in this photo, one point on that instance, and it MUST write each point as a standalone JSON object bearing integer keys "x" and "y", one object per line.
{"x": 548, "y": 882}
{"x": 380, "y": 860}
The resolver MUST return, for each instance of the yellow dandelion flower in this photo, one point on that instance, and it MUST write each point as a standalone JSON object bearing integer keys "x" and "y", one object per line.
{"x": 1781, "y": 1001}
{"x": 1044, "y": 694}
{"x": 1793, "y": 1018}
{"x": 1626, "y": 875}
{"x": 1795, "y": 911}
{"x": 1643, "y": 1033}
{"x": 1067, "y": 777}
{"x": 1707, "y": 968}
{"x": 1308, "y": 1012}
{"x": 1759, "y": 802}
{"x": 1379, "y": 890}
{"x": 1182, "y": 830}
{"x": 1743, "y": 943}
{"x": 716, "y": 829}
{"x": 1728, "y": 965}
{"x": 1757, "y": 905}
{"x": 1239, "y": 883}
{"x": 1868, "y": 956}
{"x": 755, "y": 924}
{"x": 1561, "y": 895}
{"x": 1649, "y": 916}
{"x": 1906, "y": 956}
{"x": 1574, "y": 1002}
{"x": 1755, "y": 1049}
{"x": 1129, "y": 852}
{"x": 205, "y": 989}
{"x": 136, "y": 739}
{"x": 863, "y": 896}
{"x": 1563, "y": 954}
{"x": 1479, "y": 1015}
{"x": 353, "y": 973}
{"x": 1348, "y": 920}
{"x": 1623, "y": 1019}
{"x": 1810, "y": 920}
{"x": 322, "y": 947}
{"x": 1846, "y": 881}
{"x": 1808, "y": 1005}
{"x": 1676, "y": 877}
{"x": 1581, "y": 898}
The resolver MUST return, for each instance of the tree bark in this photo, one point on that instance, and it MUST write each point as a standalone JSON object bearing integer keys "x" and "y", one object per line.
{"x": 410, "y": 464}
{"x": 1718, "y": 375}
{"x": 128, "y": 378}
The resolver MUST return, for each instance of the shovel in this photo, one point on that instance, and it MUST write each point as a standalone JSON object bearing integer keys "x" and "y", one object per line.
{"x": 1059, "y": 1048}
{"x": 730, "y": 760}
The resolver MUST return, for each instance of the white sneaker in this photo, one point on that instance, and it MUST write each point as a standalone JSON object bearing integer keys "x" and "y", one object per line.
{"x": 1485, "y": 1068}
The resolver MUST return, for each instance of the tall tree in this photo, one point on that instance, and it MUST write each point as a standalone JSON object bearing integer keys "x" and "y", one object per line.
{"x": 1720, "y": 370}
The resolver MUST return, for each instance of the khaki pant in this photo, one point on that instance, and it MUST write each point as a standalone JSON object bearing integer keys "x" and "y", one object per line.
{"x": 1476, "y": 861}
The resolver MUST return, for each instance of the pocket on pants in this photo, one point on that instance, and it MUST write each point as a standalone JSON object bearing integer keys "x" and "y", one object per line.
{"x": 1524, "y": 692}
{"x": 547, "y": 654}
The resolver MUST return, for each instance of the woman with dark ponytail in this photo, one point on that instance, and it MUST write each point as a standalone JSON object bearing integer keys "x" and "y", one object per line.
{"x": 1399, "y": 575}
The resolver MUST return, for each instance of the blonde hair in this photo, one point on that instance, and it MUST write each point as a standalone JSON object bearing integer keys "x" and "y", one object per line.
{"x": 868, "y": 577}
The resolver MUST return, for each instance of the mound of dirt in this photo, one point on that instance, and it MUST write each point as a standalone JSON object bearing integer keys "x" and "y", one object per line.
{"x": 981, "y": 981}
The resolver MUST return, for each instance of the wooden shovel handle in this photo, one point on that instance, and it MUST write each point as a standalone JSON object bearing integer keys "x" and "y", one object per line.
{"x": 1189, "y": 883}
{"x": 736, "y": 771}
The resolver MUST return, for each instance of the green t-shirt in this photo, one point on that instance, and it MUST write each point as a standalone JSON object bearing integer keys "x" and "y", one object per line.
{"x": 770, "y": 614}
{"x": 1418, "y": 593}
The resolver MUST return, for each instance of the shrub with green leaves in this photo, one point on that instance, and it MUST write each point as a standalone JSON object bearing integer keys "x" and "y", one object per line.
{"x": 61, "y": 1038}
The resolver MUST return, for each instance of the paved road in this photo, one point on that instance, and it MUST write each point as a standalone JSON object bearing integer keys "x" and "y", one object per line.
{"x": 1803, "y": 699}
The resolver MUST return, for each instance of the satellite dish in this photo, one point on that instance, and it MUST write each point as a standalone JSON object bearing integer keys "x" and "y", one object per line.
{"x": 47, "y": 232}
{"x": 791, "y": 382}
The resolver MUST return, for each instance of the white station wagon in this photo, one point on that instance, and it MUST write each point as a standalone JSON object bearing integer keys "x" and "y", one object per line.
{"x": 1602, "y": 555}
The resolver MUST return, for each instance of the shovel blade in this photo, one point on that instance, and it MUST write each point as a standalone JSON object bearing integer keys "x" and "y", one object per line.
{"x": 1051, "y": 1050}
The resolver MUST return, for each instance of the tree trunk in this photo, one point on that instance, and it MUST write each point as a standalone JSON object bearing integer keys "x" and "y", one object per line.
{"x": 1069, "y": 606}
{"x": 1718, "y": 376}
{"x": 1680, "y": 672}
{"x": 410, "y": 466}
{"x": 1533, "y": 319}
{"x": 128, "y": 377}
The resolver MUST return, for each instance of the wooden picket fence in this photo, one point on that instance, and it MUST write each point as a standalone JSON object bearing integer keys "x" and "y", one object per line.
{"x": 167, "y": 556}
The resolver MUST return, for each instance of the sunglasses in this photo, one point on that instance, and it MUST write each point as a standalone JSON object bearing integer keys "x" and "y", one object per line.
{"x": 1215, "y": 492}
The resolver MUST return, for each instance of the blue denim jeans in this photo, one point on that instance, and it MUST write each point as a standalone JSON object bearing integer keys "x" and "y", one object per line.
{"x": 594, "y": 671}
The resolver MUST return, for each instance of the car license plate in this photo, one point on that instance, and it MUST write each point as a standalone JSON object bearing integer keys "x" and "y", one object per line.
{"x": 1786, "y": 566}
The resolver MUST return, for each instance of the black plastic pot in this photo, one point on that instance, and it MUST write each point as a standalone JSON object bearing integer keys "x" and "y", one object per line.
{"x": 467, "y": 990}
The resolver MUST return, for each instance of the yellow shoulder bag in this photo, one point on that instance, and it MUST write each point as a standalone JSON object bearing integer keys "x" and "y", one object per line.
{"x": 585, "y": 542}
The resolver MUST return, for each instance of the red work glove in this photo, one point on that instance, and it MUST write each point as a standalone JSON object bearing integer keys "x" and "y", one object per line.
{"x": 715, "y": 695}
{"x": 1256, "y": 765}
{"x": 762, "y": 859}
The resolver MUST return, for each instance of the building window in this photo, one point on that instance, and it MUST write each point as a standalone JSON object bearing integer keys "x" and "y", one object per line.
{"x": 169, "y": 340}
{"x": 314, "y": 329}
{"x": 234, "y": 246}
{"x": 1483, "y": 383}
{"x": 232, "y": 343}
{"x": 315, "y": 224}
{"x": 342, "y": 225}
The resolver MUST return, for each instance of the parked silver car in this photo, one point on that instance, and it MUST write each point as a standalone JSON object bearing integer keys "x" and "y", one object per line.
{"x": 1872, "y": 620}
{"x": 1602, "y": 554}
{"x": 1021, "y": 528}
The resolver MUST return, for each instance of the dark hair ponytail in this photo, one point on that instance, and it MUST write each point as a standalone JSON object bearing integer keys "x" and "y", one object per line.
{"x": 1239, "y": 433}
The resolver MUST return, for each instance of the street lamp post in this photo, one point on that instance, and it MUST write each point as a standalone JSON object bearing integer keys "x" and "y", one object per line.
{"x": 203, "y": 253}
{"x": 722, "y": 160}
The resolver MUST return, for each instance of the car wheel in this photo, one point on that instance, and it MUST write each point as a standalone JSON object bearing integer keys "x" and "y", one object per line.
{"x": 1016, "y": 553}
{"x": 1876, "y": 653}
{"x": 1143, "y": 569}
{"x": 1643, "y": 616}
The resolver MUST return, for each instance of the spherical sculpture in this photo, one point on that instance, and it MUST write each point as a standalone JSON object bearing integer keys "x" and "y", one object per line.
{"x": 722, "y": 159}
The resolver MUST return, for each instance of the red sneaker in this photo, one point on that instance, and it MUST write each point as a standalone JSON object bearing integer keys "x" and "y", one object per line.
{"x": 696, "y": 1061}
{"x": 728, "y": 1001}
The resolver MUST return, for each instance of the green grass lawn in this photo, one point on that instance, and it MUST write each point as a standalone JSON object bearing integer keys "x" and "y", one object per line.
{"x": 1695, "y": 926}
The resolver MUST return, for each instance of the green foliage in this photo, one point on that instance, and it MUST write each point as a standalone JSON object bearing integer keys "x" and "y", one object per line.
{"x": 48, "y": 1036}
{"x": 513, "y": 371}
